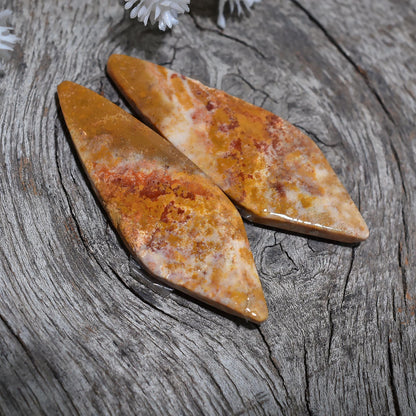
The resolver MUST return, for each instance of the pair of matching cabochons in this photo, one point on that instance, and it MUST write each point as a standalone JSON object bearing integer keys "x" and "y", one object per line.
{"x": 164, "y": 197}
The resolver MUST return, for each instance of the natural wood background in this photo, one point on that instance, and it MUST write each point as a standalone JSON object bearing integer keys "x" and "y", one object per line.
{"x": 84, "y": 332}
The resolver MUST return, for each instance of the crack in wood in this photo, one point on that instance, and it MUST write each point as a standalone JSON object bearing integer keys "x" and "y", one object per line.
{"x": 139, "y": 274}
{"x": 262, "y": 255}
{"x": 347, "y": 277}
{"x": 288, "y": 256}
{"x": 340, "y": 49}
{"x": 15, "y": 335}
{"x": 315, "y": 136}
{"x": 253, "y": 88}
{"x": 391, "y": 382}
{"x": 143, "y": 298}
{"x": 307, "y": 376}
{"x": 359, "y": 196}
{"x": 67, "y": 197}
{"x": 331, "y": 332}
{"x": 404, "y": 222}
{"x": 30, "y": 356}
{"x": 270, "y": 355}
{"x": 222, "y": 34}
{"x": 175, "y": 50}
{"x": 140, "y": 295}
{"x": 402, "y": 271}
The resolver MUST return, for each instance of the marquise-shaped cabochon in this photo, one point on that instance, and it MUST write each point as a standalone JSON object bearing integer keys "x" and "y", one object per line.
{"x": 173, "y": 218}
{"x": 274, "y": 173}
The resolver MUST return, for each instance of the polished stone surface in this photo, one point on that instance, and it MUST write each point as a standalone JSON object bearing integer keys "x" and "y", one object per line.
{"x": 275, "y": 174}
{"x": 172, "y": 217}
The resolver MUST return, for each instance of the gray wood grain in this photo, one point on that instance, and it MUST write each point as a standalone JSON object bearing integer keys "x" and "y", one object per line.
{"x": 84, "y": 331}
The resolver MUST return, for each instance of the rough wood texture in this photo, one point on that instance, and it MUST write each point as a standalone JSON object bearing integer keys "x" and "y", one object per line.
{"x": 84, "y": 331}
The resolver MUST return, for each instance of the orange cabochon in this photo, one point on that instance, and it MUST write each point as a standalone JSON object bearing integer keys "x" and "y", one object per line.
{"x": 173, "y": 218}
{"x": 274, "y": 173}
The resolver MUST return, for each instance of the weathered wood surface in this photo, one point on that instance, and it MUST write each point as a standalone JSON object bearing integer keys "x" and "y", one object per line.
{"x": 82, "y": 331}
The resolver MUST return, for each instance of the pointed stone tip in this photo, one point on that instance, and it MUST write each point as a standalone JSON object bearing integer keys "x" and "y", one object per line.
{"x": 68, "y": 86}
{"x": 114, "y": 64}
{"x": 115, "y": 59}
{"x": 119, "y": 57}
{"x": 65, "y": 90}
{"x": 64, "y": 85}
{"x": 363, "y": 234}
{"x": 366, "y": 234}
{"x": 116, "y": 56}
{"x": 259, "y": 314}
{"x": 356, "y": 230}
{"x": 352, "y": 234}
{"x": 255, "y": 311}
{"x": 256, "y": 308}
{"x": 117, "y": 63}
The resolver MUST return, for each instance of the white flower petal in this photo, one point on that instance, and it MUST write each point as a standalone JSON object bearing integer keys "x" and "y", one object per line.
{"x": 163, "y": 12}
{"x": 146, "y": 18}
{"x": 141, "y": 13}
{"x": 157, "y": 12}
{"x": 133, "y": 12}
{"x": 232, "y": 4}
{"x": 162, "y": 26}
{"x": 129, "y": 3}
{"x": 7, "y": 39}
{"x": 221, "y": 21}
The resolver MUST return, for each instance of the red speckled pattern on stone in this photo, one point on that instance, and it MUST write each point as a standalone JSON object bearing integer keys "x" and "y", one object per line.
{"x": 172, "y": 217}
{"x": 271, "y": 170}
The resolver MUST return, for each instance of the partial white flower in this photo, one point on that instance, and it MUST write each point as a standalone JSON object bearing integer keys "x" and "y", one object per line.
{"x": 233, "y": 4}
{"x": 165, "y": 12}
{"x": 7, "y": 39}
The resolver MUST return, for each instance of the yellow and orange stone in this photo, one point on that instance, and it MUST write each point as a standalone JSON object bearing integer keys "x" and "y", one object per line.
{"x": 274, "y": 173}
{"x": 172, "y": 217}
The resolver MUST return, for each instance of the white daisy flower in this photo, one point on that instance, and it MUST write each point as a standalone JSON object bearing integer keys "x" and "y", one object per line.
{"x": 164, "y": 12}
{"x": 7, "y": 39}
